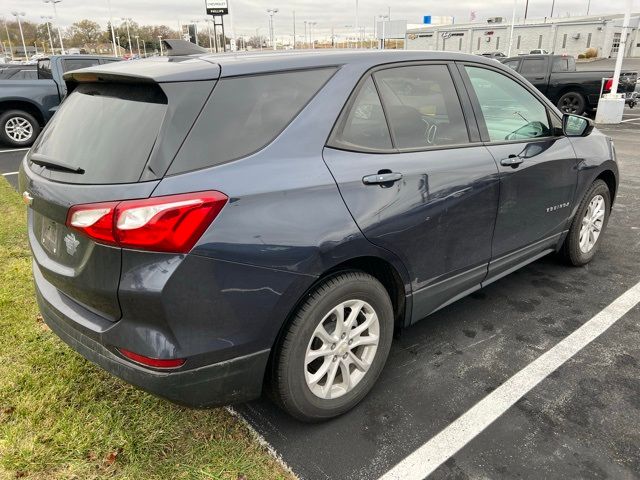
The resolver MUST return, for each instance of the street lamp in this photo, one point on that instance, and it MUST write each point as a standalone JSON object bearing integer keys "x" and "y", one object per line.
{"x": 272, "y": 12}
{"x": 137, "y": 37}
{"x": 8, "y": 37}
{"x": 383, "y": 18}
{"x": 47, "y": 18}
{"x": 311, "y": 25}
{"x": 126, "y": 21}
{"x": 160, "y": 39}
{"x": 55, "y": 14}
{"x": 18, "y": 15}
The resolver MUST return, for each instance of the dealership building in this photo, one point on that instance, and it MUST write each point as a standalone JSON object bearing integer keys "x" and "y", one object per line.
{"x": 568, "y": 35}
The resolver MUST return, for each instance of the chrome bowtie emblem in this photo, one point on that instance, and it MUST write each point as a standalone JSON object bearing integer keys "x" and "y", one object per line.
{"x": 27, "y": 198}
{"x": 72, "y": 243}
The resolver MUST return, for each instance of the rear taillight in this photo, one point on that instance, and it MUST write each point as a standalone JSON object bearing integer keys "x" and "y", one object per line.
{"x": 608, "y": 84}
{"x": 173, "y": 223}
{"x": 153, "y": 362}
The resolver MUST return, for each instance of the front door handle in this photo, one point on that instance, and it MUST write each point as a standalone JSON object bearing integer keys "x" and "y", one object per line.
{"x": 511, "y": 161}
{"x": 381, "y": 178}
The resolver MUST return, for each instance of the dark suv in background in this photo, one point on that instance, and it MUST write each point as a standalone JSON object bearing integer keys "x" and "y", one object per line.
{"x": 206, "y": 226}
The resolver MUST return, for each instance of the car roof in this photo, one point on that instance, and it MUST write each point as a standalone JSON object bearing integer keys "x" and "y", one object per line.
{"x": 212, "y": 66}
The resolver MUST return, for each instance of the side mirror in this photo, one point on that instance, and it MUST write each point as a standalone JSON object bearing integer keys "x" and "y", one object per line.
{"x": 576, "y": 126}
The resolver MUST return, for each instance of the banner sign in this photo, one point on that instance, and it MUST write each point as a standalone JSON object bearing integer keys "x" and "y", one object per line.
{"x": 217, "y": 7}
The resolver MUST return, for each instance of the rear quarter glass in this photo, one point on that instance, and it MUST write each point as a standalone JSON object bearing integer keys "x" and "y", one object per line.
{"x": 246, "y": 113}
{"x": 107, "y": 130}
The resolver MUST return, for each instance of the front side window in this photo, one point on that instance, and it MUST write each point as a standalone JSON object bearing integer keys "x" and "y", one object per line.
{"x": 512, "y": 64}
{"x": 510, "y": 111}
{"x": 364, "y": 126}
{"x": 422, "y": 106}
{"x": 532, "y": 66}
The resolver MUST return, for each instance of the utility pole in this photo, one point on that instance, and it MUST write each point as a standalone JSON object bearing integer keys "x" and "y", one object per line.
{"x": 553, "y": 4}
{"x": 305, "y": 35}
{"x": 113, "y": 33}
{"x": 311, "y": 25}
{"x": 526, "y": 9}
{"x": 24, "y": 46}
{"x": 8, "y": 37}
{"x": 126, "y": 21}
{"x": 588, "y": 6}
{"x": 47, "y": 18}
{"x": 272, "y": 12}
{"x": 55, "y": 14}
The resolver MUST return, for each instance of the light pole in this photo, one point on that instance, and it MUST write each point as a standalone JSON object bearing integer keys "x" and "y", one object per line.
{"x": 294, "y": 29}
{"x": 209, "y": 34}
{"x": 305, "y": 34}
{"x": 272, "y": 12}
{"x": 18, "y": 15}
{"x": 137, "y": 37}
{"x": 113, "y": 33}
{"x": 357, "y": 27}
{"x": 513, "y": 21}
{"x": 160, "y": 40}
{"x": 311, "y": 25}
{"x": 144, "y": 48}
{"x": 55, "y": 15}
{"x": 383, "y": 18}
{"x": 259, "y": 37}
{"x": 126, "y": 21}
{"x": 47, "y": 19}
{"x": 8, "y": 37}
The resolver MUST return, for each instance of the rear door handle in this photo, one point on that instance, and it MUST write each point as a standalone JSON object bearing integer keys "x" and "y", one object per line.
{"x": 381, "y": 178}
{"x": 512, "y": 161}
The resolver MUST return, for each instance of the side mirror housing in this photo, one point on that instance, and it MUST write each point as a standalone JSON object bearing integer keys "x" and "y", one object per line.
{"x": 576, "y": 126}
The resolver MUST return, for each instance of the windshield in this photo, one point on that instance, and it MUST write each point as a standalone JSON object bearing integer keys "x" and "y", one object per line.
{"x": 106, "y": 131}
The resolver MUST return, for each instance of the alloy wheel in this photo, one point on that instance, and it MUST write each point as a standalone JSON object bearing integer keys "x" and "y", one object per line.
{"x": 570, "y": 104}
{"x": 342, "y": 349}
{"x": 592, "y": 224}
{"x": 18, "y": 129}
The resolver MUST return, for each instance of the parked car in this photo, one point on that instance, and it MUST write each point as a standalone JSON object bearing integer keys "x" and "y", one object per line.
{"x": 539, "y": 51}
{"x": 570, "y": 90}
{"x": 207, "y": 226}
{"x": 493, "y": 55}
{"x": 27, "y": 103}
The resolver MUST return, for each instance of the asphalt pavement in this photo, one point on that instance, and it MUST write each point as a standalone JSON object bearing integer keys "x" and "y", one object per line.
{"x": 581, "y": 421}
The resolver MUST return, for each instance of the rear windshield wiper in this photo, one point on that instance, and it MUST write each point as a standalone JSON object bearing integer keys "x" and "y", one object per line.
{"x": 51, "y": 164}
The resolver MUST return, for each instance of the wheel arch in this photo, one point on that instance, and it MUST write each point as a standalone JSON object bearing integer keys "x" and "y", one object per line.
{"x": 25, "y": 106}
{"x": 610, "y": 179}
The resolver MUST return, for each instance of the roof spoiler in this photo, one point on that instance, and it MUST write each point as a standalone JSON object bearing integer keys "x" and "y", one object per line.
{"x": 177, "y": 47}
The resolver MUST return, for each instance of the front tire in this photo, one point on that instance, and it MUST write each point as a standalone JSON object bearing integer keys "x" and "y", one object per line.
{"x": 335, "y": 347}
{"x": 572, "y": 102}
{"x": 18, "y": 128}
{"x": 587, "y": 227}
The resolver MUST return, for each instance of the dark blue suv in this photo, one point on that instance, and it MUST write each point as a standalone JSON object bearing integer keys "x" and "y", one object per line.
{"x": 209, "y": 227}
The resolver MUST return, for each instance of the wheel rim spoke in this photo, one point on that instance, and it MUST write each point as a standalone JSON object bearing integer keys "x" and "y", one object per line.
{"x": 592, "y": 224}
{"x": 341, "y": 349}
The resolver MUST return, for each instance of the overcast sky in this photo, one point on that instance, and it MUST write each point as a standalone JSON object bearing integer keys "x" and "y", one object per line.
{"x": 247, "y": 15}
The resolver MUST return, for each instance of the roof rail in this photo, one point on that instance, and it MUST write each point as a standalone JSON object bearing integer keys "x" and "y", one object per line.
{"x": 176, "y": 47}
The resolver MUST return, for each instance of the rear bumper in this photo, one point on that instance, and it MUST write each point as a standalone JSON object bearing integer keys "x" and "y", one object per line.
{"x": 235, "y": 380}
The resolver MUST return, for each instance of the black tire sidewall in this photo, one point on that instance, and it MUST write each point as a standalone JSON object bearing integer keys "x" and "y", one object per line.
{"x": 4, "y": 118}
{"x": 299, "y": 400}
{"x": 572, "y": 244}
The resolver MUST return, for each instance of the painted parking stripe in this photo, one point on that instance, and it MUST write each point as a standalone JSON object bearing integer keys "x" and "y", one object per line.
{"x": 14, "y": 150}
{"x": 630, "y": 120}
{"x": 9, "y": 173}
{"x": 445, "y": 444}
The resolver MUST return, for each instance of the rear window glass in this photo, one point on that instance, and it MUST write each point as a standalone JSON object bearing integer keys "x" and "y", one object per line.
{"x": 246, "y": 113}
{"x": 77, "y": 63}
{"x": 107, "y": 130}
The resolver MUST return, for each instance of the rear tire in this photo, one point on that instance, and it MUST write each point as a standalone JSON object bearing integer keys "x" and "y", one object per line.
{"x": 580, "y": 246}
{"x": 18, "y": 128}
{"x": 572, "y": 102}
{"x": 323, "y": 369}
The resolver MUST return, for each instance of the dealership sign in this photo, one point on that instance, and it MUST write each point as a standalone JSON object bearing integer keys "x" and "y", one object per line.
{"x": 217, "y": 7}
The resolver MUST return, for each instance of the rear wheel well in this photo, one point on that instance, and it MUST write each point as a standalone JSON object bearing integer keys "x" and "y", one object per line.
{"x": 610, "y": 179}
{"x": 25, "y": 107}
{"x": 378, "y": 268}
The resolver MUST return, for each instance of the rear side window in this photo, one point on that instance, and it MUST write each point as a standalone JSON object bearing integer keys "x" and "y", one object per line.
{"x": 422, "y": 106}
{"x": 364, "y": 127}
{"x": 564, "y": 64}
{"x": 77, "y": 63}
{"x": 107, "y": 130}
{"x": 512, "y": 64}
{"x": 246, "y": 113}
{"x": 44, "y": 69}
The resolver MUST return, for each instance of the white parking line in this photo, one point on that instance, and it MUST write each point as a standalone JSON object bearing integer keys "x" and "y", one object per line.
{"x": 445, "y": 444}
{"x": 630, "y": 120}
{"x": 9, "y": 173}
{"x": 14, "y": 150}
